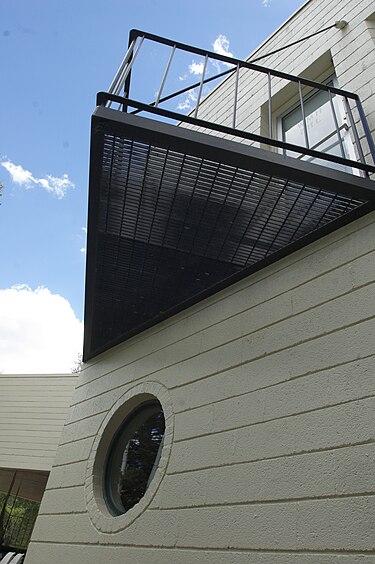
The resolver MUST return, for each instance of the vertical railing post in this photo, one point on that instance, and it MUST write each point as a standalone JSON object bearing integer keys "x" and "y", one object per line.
{"x": 336, "y": 123}
{"x": 164, "y": 77}
{"x": 123, "y": 82}
{"x": 366, "y": 129}
{"x": 303, "y": 115}
{"x": 235, "y": 95}
{"x": 123, "y": 74}
{"x": 354, "y": 130}
{"x": 201, "y": 86}
{"x": 270, "y": 133}
{"x": 122, "y": 66}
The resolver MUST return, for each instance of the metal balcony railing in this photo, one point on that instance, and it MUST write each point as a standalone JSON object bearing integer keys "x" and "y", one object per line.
{"x": 121, "y": 90}
{"x": 176, "y": 214}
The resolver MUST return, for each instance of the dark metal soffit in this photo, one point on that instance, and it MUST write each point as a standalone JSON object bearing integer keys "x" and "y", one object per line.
{"x": 176, "y": 215}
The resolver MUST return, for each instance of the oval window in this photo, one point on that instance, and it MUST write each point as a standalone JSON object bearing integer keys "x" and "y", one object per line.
{"x": 133, "y": 457}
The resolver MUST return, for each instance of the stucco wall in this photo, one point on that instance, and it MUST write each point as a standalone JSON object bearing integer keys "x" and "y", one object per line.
{"x": 33, "y": 409}
{"x": 268, "y": 387}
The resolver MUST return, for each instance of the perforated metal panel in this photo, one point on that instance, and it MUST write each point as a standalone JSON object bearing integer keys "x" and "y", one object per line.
{"x": 176, "y": 215}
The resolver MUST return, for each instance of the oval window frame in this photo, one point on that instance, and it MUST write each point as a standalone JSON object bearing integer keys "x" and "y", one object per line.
{"x": 100, "y": 516}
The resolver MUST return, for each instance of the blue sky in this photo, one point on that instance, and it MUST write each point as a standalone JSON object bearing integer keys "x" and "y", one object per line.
{"x": 55, "y": 56}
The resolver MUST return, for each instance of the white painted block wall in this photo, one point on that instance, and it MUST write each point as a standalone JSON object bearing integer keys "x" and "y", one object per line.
{"x": 271, "y": 386}
{"x": 351, "y": 53}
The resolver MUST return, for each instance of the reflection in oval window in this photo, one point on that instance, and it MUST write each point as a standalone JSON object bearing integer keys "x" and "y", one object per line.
{"x": 133, "y": 457}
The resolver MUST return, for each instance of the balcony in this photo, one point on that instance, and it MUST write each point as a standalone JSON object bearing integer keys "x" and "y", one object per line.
{"x": 181, "y": 207}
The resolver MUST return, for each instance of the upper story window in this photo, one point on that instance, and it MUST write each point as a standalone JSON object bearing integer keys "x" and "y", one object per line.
{"x": 324, "y": 128}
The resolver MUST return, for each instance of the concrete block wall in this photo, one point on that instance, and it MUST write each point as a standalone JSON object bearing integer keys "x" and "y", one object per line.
{"x": 272, "y": 392}
{"x": 268, "y": 387}
{"x": 351, "y": 52}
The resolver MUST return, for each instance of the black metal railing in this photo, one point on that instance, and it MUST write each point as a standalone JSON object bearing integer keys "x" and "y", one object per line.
{"x": 17, "y": 521}
{"x": 19, "y": 531}
{"x": 119, "y": 92}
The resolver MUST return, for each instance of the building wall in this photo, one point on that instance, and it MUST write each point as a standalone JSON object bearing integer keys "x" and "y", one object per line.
{"x": 349, "y": 53}
{"x": 271, "y": 386}
{"x": 268, "y": 388}
{"x": 33, "y": 410}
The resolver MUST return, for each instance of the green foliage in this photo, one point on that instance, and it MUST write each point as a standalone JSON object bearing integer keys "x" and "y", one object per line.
{"x": 142, "y": 450}
{"x": 18, "y": 520}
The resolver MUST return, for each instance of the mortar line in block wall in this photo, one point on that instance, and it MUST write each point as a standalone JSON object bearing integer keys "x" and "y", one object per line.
{"x": 200, "y": 307}
{"x": 193, "y": 507}
{"x": 257, "y": 423}
{"x": 287, "y": 500}
{"x": 276, "y": 384}
{"x": 261, "y": 388}
{"x": 278, "y": 457}
{"x": 226, "y": 550}
{"x": 55, "y": 489}
{"x": 229, "y": 341}
{"x": 249, "y": 361}
{"x": 280, "y": 418}
{"x": 240, "y": 364}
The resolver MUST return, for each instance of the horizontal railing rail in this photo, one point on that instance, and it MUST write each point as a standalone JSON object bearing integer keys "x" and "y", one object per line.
{"x": 104, "y": 97}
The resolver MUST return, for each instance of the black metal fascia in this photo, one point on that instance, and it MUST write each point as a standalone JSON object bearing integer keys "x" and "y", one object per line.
{"x": 96, "y": 147}
{"x": 104, "y": 97}
{"x": 237, "y": 154}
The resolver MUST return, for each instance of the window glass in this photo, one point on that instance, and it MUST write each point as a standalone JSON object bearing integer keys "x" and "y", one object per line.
{"x": 321, "y": 128}
{"x": 319, "y": 121}
{"x": 133, "y": 458}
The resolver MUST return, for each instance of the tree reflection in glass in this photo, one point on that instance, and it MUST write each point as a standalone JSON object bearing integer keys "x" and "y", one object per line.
{"x": 134, "y": 457}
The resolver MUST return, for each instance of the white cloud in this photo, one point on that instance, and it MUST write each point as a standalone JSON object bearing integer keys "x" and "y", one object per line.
{"x": 266, "y": 3}
{"x": 196, "y": 68}
{"x": 23, "y": 177}
{"x": 39, "y": 332}
{"x": 188, "y": 102}
{"x": 19, "y": 175}
{"x": 221, "y": 46}
{"x": 184, "y": 105}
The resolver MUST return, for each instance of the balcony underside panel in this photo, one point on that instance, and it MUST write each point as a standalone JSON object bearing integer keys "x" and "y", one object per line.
{"x": 176, "y": 215}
